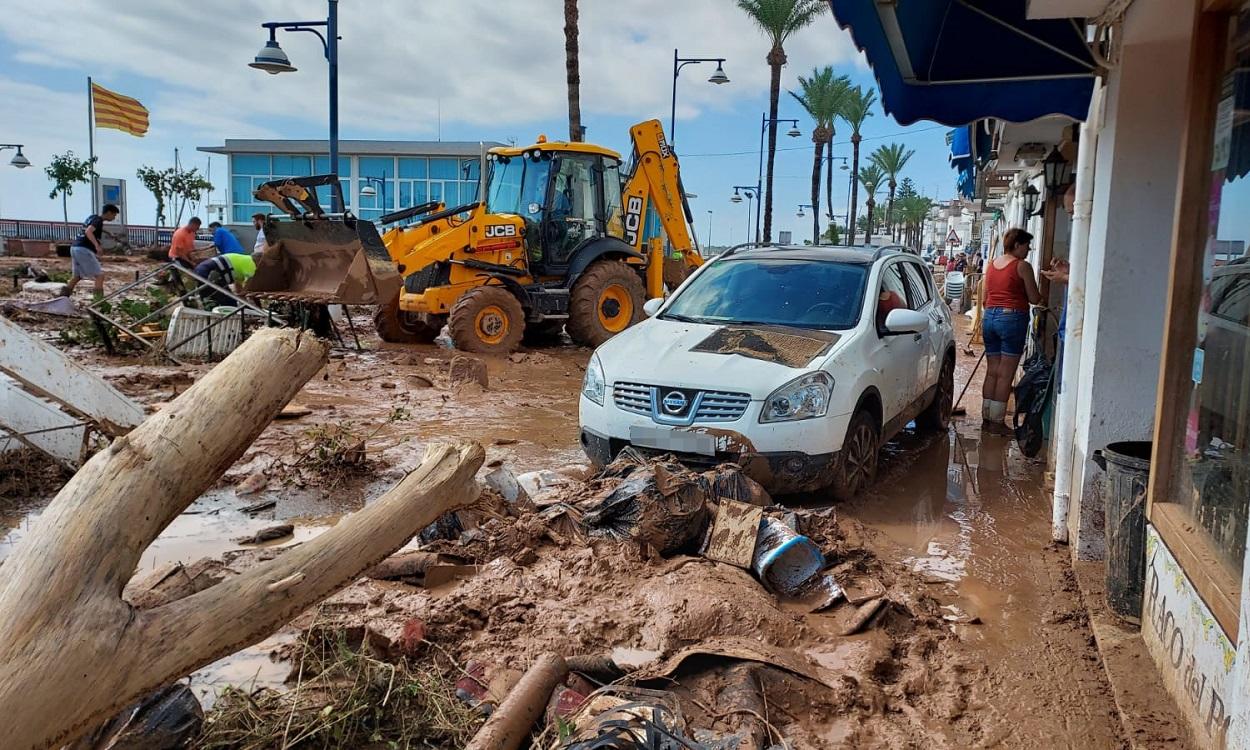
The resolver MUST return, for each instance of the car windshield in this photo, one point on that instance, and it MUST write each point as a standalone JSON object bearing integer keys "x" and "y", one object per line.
{"x": 800, "y": 293}
{"x": 517, "y": 186}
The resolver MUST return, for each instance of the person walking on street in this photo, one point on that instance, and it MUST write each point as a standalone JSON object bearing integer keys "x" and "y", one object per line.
{"x": 258, "y": 223}
{"x": 1010, "y": 288}
{"x": 182, "y": 246}
{"x": 225, "y": 241}
{"x": 84, "y": 253}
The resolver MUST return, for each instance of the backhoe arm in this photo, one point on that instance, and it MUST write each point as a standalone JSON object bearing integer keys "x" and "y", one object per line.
{"x": 656, "y": 182}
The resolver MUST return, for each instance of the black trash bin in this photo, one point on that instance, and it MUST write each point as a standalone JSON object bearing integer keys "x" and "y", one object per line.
{"x": 1127, "y": 467}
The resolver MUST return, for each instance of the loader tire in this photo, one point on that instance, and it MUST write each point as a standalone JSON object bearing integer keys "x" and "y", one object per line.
{"x": 402, "y": 327}
{"x": 606, "y": 300}
{"x": 487, "y": 320}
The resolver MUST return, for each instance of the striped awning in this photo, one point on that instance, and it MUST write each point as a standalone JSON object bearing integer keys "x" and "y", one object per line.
{"x": 112, "y": 110}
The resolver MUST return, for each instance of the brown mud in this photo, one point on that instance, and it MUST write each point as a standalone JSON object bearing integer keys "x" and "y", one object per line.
{"x": 983, "y": 644}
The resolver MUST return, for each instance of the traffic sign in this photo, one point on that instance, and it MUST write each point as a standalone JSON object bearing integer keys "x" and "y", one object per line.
{"x": 953, "y": 238}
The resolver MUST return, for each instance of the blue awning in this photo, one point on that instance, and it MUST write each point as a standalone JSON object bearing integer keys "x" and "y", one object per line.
{"x": 956, "y": 61}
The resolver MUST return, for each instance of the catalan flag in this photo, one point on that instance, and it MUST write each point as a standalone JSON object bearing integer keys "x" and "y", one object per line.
{"x": 112, "y": 110}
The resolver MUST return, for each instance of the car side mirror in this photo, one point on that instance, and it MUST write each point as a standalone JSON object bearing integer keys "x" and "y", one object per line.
{"x": 905, "y": 321}
{"x": 652, "y": 306}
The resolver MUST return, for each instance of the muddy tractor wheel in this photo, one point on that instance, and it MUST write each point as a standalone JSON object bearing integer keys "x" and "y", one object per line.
{"x": 487, "y": 320}
{"x": 606, "y": 300}
{"x": 403, "y": 327}
{"x": 937, "y": 416}
{"x": 857, "y": 464}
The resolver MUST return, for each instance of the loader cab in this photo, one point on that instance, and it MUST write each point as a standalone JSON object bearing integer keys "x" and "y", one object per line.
{"x": 567, "y": 194}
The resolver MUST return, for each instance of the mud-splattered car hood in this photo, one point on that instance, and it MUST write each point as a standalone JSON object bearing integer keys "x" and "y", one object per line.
{"x": 695, "y": 355}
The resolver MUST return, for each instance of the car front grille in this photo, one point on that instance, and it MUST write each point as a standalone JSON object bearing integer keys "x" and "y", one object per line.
{"x": 711, "y": 406}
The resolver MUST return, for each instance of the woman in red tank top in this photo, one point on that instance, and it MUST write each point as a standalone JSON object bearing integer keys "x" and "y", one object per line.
{"x": 1010, "y": 287}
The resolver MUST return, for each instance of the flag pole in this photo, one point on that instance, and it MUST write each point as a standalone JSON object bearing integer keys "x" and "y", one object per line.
{"x": 91, "y": 144}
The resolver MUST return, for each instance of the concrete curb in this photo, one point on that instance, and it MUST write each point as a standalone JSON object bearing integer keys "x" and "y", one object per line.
{"x": 1147, "y": 712}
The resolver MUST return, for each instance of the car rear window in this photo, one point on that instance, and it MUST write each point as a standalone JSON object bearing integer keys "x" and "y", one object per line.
{"x": 801, "y": 293}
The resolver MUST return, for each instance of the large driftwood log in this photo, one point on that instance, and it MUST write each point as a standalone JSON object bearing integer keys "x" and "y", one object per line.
{"x": 73, "y": 652}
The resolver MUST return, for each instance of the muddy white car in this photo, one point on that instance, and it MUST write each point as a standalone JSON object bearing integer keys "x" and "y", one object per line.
{"x": 797, "y": 363}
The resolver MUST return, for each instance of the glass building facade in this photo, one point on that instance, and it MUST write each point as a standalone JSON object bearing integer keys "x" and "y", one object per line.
{"x": 381, "y": 177}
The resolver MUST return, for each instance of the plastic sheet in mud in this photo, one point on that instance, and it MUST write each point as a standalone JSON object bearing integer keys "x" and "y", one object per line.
{"x": 663, "y": 505}
{"x": 791, "y": 347}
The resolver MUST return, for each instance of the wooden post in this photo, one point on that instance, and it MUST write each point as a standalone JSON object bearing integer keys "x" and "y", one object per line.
{"x": 72, "y": 651}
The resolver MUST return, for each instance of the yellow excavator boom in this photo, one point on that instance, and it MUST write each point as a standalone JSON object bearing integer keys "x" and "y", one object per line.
{"x": 655, "y": 184}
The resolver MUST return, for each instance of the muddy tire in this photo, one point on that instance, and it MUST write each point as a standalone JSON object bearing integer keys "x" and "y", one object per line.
{"x": 544, "y": 333}
{"x": 403, "y": 327}
{"x": 937, "y": 416}
{"x": 487, "y": 320}
{"x": 857, "y": 461}
{"x": 606, "y": 300}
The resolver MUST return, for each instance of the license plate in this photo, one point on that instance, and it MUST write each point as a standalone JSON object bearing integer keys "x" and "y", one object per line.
{"x": 678, "y": 441}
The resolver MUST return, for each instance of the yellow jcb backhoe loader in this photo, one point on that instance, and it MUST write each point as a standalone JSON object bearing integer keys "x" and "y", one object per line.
{"x": 560, "y": 238}
{"x": 557, "y": 240}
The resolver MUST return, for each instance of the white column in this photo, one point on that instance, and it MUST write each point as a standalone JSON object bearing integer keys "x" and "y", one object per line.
{"x": 1138, "y": 159}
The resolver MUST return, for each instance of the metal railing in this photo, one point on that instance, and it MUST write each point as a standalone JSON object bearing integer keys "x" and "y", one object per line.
{"x": 60, "y": 231}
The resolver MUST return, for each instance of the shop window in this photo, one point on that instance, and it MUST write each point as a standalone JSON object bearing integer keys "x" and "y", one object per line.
{"x": 285, "y": 165}
{"x": 413, "y": 168}
{"x": 1211, "y": 447}
{"x": 376, "y": 166}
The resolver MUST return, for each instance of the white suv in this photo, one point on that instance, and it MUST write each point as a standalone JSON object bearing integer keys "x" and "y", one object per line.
{"x": 797, "y": 363}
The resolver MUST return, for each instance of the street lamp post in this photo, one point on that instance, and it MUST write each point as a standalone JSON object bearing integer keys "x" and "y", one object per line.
{"x": 19, "y": 159}
{"x": 273, "y": 60}
{"x": 750, "y": 191}
{"x": 794, "y": 132}
{"x": 717, "y": 78}
{"x": 709, "y": 227}
{"x": 368, "y": 190}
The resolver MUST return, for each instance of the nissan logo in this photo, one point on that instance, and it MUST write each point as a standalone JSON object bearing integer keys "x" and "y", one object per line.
{"x": 674, "y": 402}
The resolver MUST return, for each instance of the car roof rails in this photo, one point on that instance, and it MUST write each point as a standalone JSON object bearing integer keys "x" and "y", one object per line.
{"x": 885, "y": 250}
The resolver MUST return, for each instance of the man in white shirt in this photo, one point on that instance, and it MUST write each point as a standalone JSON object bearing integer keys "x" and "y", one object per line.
{"x": 258, "y": 222}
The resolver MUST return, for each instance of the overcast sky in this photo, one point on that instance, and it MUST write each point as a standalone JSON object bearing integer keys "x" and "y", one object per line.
{"x": 494, "y": 76}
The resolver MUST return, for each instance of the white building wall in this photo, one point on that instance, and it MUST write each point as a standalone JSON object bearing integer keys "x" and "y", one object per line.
{"x": 1129, "y": 253}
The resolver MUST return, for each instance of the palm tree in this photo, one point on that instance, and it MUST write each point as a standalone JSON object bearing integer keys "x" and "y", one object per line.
{"x": 778, "y": 19}
{"x": 842, "y": 91}
{"x": 572, "y": 69}
{"x": 821, "y": 97}
{"x": 911, "y": 212}
{"x": 871, "y": 177}
{"x": 891, "y": 159}
{"x": 856, "y": 108}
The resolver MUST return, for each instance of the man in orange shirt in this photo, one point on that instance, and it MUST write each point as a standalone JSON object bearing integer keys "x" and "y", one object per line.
{"x": 183, "y": 245}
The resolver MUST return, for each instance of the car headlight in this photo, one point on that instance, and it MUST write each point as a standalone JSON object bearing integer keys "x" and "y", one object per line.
{"x": 805, "y": 397}
{"x": 594, "y": 385}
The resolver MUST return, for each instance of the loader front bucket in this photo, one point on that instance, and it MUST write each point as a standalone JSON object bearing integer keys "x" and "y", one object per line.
{"x": 325, "y": 261}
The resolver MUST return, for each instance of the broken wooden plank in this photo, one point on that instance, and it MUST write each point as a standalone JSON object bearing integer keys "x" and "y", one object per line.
{"x": 38, "y": 424}
{"x": 45, "y": 371}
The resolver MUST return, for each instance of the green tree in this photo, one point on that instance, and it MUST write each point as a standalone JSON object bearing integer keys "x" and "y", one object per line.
{"x": 906, "y": 188}
{"x": 833, "y": 233}
{"x": 66, "y": 170}
{"x": 173, "y": 187}
{"x": 871, "y": 177}
{"x": 157, "y": 183}
{"x": 821, "y": 95}
{"x": 778, "y": 20}
{"x": 856, "y": 108}
{"x": 891, "y": 159}
{"x": 912, "y": 210}
{"x": 572, "y": 69}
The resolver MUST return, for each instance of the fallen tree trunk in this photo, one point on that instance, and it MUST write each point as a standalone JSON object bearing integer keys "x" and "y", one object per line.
{"x": 511, "y": 723}
{"x": 73, "y": 652}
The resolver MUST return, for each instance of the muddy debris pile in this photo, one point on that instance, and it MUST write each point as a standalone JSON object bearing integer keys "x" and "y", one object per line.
{"x": 648, "y": 606}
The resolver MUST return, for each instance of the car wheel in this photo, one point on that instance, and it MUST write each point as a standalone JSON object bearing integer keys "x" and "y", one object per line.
{"x": 937, "y": 416}
{"x": 857, "y": 461}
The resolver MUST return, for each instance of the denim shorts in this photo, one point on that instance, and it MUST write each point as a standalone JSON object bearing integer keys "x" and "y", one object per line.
{"x": 83, "y": 262}
{"x": 1004, "y": 331}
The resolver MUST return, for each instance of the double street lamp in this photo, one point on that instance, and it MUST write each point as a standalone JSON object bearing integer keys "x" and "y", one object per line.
{"x": 19, "y": 159}
{"x": 793, "y": 132}
{"x": 273, "y": 60}
{"x": 718, "y": 78}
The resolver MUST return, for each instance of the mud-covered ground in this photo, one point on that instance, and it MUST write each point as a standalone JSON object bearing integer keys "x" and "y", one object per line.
{"x": 984, "y": 642}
